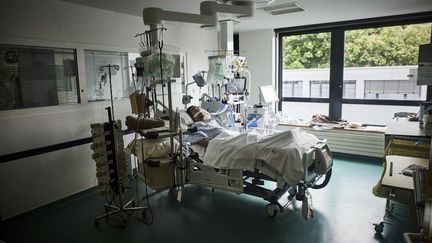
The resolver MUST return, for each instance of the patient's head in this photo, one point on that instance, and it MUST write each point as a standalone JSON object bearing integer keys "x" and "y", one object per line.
{"x": 197, "y": 114}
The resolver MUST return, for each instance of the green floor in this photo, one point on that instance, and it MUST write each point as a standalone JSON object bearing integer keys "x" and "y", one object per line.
{"x": 344, "y": 212}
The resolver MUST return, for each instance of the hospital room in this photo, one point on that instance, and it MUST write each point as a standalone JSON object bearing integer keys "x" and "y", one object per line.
{"x": 215, "y": 121}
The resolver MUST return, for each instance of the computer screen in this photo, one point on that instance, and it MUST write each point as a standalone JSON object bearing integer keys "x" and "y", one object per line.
{"x": 268, "y": 94}
{"x": 237, "y": 85}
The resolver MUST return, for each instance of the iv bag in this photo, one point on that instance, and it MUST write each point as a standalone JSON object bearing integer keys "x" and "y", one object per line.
{"x": 217, "y": 70}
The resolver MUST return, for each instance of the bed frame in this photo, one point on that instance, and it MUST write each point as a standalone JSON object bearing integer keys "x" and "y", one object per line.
{"x": 317, "y": 162}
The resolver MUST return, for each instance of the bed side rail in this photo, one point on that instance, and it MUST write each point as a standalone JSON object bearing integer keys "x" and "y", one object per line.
{"x": 317, "y": 161}
{"x": 323, "y": 158}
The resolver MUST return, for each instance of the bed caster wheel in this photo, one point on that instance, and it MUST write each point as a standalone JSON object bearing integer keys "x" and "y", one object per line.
{"x": 271, "y": 210}
{"x": 143, "y": 214}
{"x": 379, "y": 228}
{"x": 96, "y": 222}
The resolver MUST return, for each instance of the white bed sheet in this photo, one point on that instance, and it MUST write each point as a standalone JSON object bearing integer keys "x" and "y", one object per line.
{"x": 281, "y": 151}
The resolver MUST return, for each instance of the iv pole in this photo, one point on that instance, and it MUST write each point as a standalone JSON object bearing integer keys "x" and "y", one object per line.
{"x": 116, "y": 185}
{"x": 116, "y": 67}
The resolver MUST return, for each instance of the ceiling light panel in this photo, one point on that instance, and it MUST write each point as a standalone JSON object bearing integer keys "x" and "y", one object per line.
{"x": 284, "y": 8}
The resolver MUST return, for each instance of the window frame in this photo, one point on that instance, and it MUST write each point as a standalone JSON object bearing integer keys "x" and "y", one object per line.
{"x": 337, "y": 49}
{"x": 72, "y": 50}
{"x": 122, "y": 68}
{"x": 292, "y": 83}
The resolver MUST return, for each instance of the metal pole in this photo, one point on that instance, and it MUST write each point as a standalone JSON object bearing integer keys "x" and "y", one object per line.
{"x": 155, "y": 104}
{"x": 171, "y": 129}
{"x": 111, "y": 94}
{"x": 170, "y": 107}
{"x": 163, "y": 83}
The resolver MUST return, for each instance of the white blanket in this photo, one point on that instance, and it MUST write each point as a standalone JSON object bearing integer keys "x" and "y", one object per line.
{"x": 281, "y": 151}
{"x": 231, "y": 152}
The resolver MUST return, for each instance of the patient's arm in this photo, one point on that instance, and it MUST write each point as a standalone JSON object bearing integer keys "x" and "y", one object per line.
{"x": 202, "y": 132}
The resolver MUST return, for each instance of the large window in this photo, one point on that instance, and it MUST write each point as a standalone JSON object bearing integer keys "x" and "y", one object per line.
{"x": 365, "y": 64}
{"x": 382, "y": 58}
{"x": 306, "y": 62}
{"x": 37, "y": 76}
{"x": 306, "y": 74}
{"x": 97, "y": 74}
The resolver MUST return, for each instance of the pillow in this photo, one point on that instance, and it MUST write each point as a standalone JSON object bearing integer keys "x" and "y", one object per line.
{"x": 185, "y": 119}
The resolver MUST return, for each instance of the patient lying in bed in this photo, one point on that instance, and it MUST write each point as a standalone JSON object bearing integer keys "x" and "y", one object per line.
{"x": 225, "y": 149}
{"x": 206, "y": 126}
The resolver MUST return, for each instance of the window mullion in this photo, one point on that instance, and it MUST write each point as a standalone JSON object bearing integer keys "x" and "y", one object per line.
{"x": 336, "y": 72}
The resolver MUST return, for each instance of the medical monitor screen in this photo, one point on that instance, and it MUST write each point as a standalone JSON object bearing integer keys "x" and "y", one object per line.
{"x": 237, "y": 85}
{"x": 170, "y": 65}
{"x": 268, "y": 94}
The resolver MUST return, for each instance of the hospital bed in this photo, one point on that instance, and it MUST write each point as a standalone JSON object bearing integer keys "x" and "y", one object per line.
{"x": 316, "y": 162}
{"x": 311, "y": 167}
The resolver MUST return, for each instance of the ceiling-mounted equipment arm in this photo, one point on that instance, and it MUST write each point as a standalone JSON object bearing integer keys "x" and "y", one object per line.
{"x": 241, "y": 8}
{"x": 155, "y": 16}
{"x": 207, "y": 17}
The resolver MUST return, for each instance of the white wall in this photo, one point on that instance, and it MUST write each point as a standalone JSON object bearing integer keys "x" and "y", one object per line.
{"x": 259, "y": 49}
{"x": 32, "y": 182}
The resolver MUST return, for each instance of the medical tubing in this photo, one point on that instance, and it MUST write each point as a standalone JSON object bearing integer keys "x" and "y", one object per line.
{"x": 135, "y": 138}
{"x": 146, "y": 188}
{"x": 170, "y": 108}
{"x": 154, "y": 97}
{"x": 136, "y": 165}
{"x": 147, "y": 109}
{"x": 144, "y": 169}
{"x": 180, "y": 154}
{"x": 160, "y": 44}
{"x": 134, "y": 78}
{"x": 109, "y": 210}
{"x": 136, "y": 180}
{"x": 326, "y": 180}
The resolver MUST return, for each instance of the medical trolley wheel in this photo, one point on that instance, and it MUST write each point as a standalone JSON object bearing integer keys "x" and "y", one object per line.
{"x": 96, "y": 222}
{"x": 379, "y": 228}
{"x": 271, "y": 210}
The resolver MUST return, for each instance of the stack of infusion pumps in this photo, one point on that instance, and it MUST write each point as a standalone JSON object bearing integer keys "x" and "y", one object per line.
{"x": 111, "y": 166}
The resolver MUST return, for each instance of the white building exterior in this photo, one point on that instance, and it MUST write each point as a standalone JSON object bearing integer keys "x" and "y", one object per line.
{"x": 359, "y": 83}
